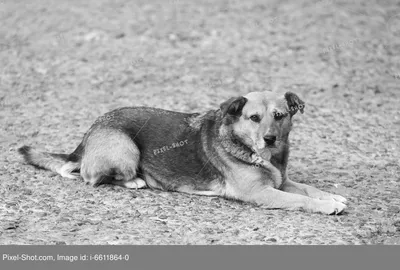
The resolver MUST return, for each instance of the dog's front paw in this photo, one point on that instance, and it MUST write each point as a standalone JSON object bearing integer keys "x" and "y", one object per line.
{"x": 328, "y": 196}
{"x": 330, "y": 207}
{"x": 339, "y": 198}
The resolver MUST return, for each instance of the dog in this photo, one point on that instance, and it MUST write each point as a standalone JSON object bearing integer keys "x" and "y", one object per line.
{"x": 239, "y": 151}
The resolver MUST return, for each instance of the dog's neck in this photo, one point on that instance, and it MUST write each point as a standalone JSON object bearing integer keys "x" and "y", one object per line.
{"x": 236, "y": 148}
{"x": 242, "y": 152}
{"x": 232, "y": 145}
{"x": 229, "y": 142}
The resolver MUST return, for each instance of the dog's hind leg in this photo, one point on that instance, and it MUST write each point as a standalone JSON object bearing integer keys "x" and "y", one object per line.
{"x": 111, "y": 157}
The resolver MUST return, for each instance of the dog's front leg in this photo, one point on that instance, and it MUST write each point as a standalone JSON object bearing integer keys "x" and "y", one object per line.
{"x": 293, "y": 187}
{"x": 277, "y": 199}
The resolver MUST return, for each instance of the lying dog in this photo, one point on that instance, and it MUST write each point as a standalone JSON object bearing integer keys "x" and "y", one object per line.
{"x": 239, "y": 151}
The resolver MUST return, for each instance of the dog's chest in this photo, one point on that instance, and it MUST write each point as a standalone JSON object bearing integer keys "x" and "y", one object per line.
{"x": 248, "y": 177}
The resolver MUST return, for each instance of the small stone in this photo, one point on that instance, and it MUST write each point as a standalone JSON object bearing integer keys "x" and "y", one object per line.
{"x": 27, "y": 192}
{"x": 63, "y": 220}
{"x": 260, "y": 237}
{"x": 397, "y": 224}
{"x": 86, "y": 211}
{"x": 271, "y": 240}
{"x": 11, "y": 226}
{"x": 120, "y": 35}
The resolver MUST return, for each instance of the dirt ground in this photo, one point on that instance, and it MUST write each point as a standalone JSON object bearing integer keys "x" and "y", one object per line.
{"x": 64, "y": 63}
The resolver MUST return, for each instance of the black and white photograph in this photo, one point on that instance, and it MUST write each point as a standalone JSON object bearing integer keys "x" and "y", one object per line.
{"x": 199, "y": 122}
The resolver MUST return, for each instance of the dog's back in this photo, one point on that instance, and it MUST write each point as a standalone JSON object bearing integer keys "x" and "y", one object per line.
{"x": 161, "y": 144}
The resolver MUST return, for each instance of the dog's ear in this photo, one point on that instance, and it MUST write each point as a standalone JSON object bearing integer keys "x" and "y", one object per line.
{"x": 233, "y": 106}
{"x": 294, "y": 103}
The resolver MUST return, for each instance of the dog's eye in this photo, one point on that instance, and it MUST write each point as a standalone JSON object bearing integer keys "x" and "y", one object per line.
{"x": 279, "y": 116}
{"x": 255, "y": 118}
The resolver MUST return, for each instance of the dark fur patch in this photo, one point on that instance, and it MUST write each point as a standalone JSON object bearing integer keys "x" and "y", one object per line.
{"x": 294, "y": 103}
{"x": 24, "y": 150}
{"x": 233, "y": 106}
{"x": 231, "y": 109}
{"x": 76, "y": 156}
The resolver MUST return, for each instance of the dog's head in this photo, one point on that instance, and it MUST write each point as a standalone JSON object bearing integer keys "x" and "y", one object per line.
{"x": 261, "y": 120}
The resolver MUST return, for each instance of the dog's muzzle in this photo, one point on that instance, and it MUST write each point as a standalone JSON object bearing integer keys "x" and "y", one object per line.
{"x": 270, "y": 140}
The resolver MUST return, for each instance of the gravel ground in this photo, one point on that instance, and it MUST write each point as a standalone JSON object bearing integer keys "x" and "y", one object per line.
{"x": 64, "y": 63}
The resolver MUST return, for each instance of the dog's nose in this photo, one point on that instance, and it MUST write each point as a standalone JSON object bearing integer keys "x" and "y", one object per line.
{"x": 270, "y": 139}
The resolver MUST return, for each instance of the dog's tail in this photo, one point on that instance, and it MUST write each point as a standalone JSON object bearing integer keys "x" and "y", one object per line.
{"x": 62, "y": 164}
